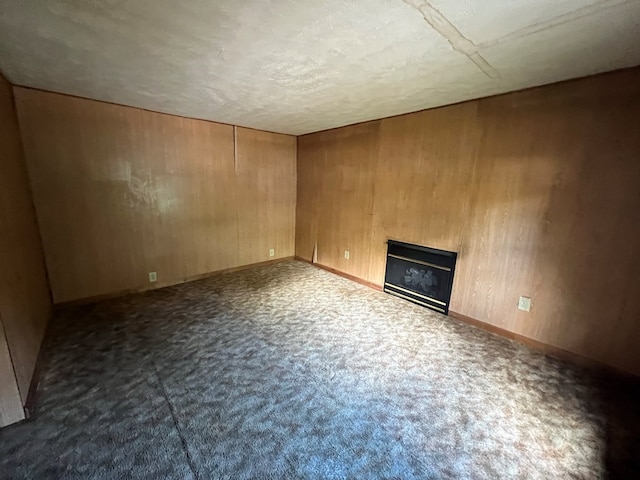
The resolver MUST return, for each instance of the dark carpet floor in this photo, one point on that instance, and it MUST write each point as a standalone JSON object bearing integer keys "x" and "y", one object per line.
{"x": 288, "y": 371}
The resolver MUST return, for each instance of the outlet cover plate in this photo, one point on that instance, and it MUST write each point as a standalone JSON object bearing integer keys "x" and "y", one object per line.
{"x": 272, "y": 252}
{"x": 524, "y": 304}
{"x": 346, "y": 254}
{"x": 153, "y": 277}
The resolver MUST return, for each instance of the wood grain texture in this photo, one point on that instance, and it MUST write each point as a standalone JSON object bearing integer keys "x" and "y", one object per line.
{"x": 121, "y": 192}
{"x": 336, "y": 206}
{"x": 265, "y": 165}
{"x": 424, "y": 168}
{"x": 308, "y": 191}
{"x": 24, "y": 293}
{"x": 556, "y": 217}
{"x": 538, "y": 191}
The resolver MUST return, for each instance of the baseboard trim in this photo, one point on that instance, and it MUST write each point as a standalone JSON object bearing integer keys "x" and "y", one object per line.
{"x": 156, "y": 286}
{"x": 547, "y": 349}
{"x": 353, "y": 278}
{"x": 510, "y": 335}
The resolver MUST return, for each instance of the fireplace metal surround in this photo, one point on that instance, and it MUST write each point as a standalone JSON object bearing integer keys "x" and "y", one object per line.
{"x": 420, "y": 274}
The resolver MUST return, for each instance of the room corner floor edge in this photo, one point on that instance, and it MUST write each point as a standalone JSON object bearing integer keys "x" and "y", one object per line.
{"x": 157, "y": 286}
{"x": 546, "y": 348}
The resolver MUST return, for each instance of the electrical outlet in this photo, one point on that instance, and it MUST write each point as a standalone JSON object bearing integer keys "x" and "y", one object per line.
{"x": 153, "y": 277}
{"x": 272, "y": 252}
{"x": 524, "y": 304}
{"x": 346, "y": 254}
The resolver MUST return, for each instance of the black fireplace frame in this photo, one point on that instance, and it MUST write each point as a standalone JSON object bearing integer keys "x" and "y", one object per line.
{"x": 421, "y": 256}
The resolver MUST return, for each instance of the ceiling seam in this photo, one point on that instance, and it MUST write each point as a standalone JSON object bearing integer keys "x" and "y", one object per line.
{"x": 456, "y": 39}
{"x": 571, "y": 16}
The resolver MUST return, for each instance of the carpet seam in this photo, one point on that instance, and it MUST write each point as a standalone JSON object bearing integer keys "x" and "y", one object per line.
{"x": 183, "y": 440}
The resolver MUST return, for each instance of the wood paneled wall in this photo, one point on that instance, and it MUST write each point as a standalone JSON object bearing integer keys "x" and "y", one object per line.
{"x": 121, "y": 192}
{"x": 538, "y": 191}
{"x": 266, "y": 194}
{"x": 24, "y": 294}
{"x": 335, "y": 197}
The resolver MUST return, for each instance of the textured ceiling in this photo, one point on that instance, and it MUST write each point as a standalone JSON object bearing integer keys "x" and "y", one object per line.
{"x": 296, "y": 66}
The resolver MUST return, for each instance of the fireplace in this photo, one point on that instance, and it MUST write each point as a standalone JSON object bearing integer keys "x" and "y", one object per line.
{"x": 420, "y": 274}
